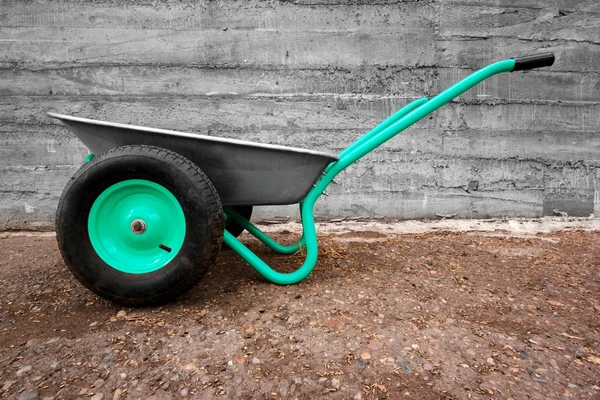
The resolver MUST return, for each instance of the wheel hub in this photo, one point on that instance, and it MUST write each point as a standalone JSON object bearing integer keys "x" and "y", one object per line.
{"x": 138, "y": 226}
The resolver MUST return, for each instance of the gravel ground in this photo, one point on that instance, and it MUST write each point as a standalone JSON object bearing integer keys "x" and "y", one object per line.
{"x": 487, "y": 310}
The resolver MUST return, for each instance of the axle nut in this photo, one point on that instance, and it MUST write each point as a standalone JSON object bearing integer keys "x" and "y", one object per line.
{"x": 138, "y": 226}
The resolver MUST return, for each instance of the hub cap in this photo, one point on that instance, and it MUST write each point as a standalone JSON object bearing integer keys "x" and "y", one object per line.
{"x": 136, "y": 226}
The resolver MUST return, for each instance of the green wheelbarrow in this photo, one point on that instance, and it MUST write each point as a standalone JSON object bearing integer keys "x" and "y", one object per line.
{"x": 146, "y": 215}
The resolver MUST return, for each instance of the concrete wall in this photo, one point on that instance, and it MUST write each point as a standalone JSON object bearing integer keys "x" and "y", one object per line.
{"x": 315, "y": 74}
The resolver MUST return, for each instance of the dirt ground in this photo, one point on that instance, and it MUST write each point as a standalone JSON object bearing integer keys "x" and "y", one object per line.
{"x": 494, "y": 314}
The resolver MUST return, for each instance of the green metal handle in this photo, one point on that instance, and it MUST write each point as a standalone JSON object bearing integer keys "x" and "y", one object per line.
{"x": 393, "y": 126}
{"x": 424, "y": 110}
{"x": 389, "y": 128}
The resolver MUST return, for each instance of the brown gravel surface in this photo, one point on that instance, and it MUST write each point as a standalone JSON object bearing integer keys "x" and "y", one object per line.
{"x": 470, "y": 315}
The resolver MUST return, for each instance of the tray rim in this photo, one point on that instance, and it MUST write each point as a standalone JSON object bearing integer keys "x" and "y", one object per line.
{"x": 62, "y": 117}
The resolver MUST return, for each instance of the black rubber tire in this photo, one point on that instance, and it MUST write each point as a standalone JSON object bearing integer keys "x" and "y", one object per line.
{"x": 192, "y": 189}
{"x": 231, "y": 226}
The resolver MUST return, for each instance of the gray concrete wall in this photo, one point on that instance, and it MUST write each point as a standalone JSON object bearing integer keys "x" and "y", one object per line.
{"x": 315, "y": 74}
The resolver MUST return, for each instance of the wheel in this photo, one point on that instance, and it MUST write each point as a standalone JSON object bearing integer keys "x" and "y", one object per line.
{"x": 139, "y": 225}
{"x": 231, "y": 226}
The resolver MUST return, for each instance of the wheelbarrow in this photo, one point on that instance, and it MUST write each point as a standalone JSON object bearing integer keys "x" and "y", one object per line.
{"x": 146, "y": 215}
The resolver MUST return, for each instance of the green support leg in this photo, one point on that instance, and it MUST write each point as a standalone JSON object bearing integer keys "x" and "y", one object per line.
{"x": 263, "y": 237}
{"x": 310, "y": 241}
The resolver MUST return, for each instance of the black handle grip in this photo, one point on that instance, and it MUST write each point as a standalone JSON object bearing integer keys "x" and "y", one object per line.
{"x": 534, "y": 61}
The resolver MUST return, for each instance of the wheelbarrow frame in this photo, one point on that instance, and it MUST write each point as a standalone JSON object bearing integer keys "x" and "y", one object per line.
{"x": 329, "y": 167}
{"x": 392, "y": 126}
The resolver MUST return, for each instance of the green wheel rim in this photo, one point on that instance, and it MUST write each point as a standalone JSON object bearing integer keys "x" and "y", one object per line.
{"x": 136, "y": 226}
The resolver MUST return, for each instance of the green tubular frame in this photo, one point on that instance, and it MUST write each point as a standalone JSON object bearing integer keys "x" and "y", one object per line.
{"x": 405, "y": 117}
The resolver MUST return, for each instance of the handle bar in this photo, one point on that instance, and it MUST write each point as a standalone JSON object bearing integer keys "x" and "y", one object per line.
{"x": 533, "y": 61}
{"x": 419, "y": 109}
{"x": 392, "y": 126}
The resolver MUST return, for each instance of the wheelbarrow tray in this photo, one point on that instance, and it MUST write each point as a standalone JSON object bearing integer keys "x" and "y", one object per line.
{"x": 243, "y": 173}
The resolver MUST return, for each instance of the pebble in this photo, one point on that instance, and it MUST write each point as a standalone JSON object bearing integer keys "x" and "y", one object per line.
{"x": 401, "y": 362}
{"x": 123, "y": 375}
{"x": 121, "y": 314}
{"x": 190, "y": 367}
{"x": 427, "y": 367}
{"x": 255, "y": 361}
{"x": 365, "y": 356}
{"x": 97, "y": 396}
{"x": 7, "y": 385}
{"x": 540, "y": 380}
{"x": 98, "y": 384}
{"x": 554, "y": 364}
{"x": 414, "y": 346}
{"x": 283, "y": 391}
{"x": 83, "y": 392}
{"x": 358, "y": 396}
{"x": 308, "y": 381}
{"x": 322, "y": 380}
{"x": 29, "y": 394}
{"x": 117, "y": 394}
{"x": 335, "y": 383}
{"x": 184, "y": 392}
{"x": 490, "y": 361}
{"x": 374, "y": 345}
{"x": 24, "y": 371}
{"x": 239, "y": 359}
